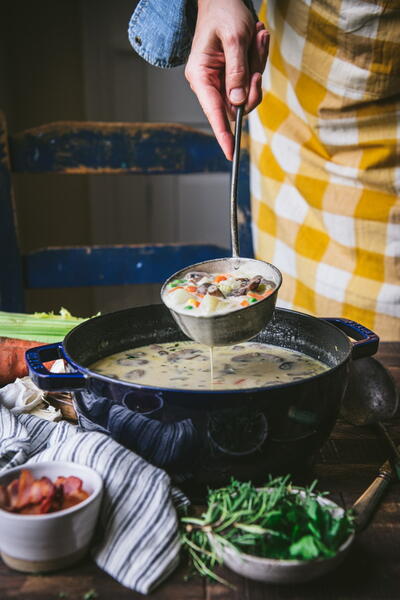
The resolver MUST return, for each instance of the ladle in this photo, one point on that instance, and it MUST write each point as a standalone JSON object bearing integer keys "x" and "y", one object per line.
{"x": 236, "y": 326}
{"x": 371, "y": 397}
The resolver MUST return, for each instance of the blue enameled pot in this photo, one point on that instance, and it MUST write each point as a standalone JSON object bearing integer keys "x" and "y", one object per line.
{"x": 208, "y": 436}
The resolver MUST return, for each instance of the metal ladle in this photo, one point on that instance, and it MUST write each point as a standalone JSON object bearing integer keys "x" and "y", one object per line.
{"x": 239, "y": 325}
{"x": 371, "y": 398}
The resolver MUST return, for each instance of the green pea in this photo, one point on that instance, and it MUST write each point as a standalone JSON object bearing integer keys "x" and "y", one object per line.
{"x": 252, "y": 300}
{"x": 175, "y": 283}
{"x": 189, "y": 307}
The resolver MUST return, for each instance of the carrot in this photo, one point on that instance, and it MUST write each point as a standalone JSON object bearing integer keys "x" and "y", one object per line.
{"x": 193, "y": 302}
{"x": 240, "y": 381}
{"x": 178, "y": 287}
{"x": 219, "y": 278}
{"x": 260, "y": 296}
{"x": 191, "y": 288}
{"x": 244, "y": 303}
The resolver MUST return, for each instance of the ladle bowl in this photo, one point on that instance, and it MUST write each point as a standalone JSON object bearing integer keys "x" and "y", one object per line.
{"x": 223, "y": 329}
{"x": 372, "y": 398}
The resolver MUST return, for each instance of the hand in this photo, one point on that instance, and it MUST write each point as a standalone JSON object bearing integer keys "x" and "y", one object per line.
{"x": 228, "y": 55}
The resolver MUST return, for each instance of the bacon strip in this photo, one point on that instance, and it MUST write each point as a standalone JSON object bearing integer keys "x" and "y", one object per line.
{"x": 28, "y": 496}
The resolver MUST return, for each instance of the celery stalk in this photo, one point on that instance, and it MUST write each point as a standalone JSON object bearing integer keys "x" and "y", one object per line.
{"x": 38, "y": 327}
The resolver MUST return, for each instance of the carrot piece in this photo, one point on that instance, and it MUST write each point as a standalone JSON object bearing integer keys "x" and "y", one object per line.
{"x": 219, "y": 278}
{"x": 190, "y": 288}
{"x": 260, "y": 296}
{"x": 178, "y": 287}
{"x": 193, "y": 302}
{"x": 244, "y": 303}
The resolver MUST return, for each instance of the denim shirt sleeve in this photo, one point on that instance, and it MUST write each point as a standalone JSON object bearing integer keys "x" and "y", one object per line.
{"x": 161, "y": 31}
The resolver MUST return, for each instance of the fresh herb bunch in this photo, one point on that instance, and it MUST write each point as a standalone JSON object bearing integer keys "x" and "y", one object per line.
{"x": 276, "y": 521}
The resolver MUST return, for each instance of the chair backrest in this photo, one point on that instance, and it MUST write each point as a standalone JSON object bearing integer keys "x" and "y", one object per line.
{"x": 111, "y": 148}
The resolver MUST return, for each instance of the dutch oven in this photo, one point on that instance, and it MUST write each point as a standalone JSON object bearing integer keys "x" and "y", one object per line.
{"x": 208, "y": 436}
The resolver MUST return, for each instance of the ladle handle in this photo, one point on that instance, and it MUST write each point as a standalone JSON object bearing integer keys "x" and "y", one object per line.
{"x": 391, "y": 446}
{"x": 234, "y": 182}
{"x": 365, "y": 506}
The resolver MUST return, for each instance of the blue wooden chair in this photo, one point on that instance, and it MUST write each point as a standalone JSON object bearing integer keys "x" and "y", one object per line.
{"x": 112, "y": 148}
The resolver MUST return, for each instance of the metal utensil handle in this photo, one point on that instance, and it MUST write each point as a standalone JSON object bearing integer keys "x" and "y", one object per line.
{"x": 366, "y": 504}
{"x": 391, "y": 446}
{"x": 234, "y": 182}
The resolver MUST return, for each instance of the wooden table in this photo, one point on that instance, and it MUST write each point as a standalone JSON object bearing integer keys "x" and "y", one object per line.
{"x": 347, "y": 465}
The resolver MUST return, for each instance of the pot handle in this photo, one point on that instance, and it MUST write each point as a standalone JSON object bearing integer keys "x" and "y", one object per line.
{"x": 45, "y": 379}
{"x": 367, "y": 341}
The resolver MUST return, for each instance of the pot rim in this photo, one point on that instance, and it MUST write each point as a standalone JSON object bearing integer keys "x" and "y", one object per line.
{"x": 137, "y": 386}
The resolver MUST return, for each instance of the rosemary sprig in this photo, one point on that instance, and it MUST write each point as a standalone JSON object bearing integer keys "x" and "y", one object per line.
{"x": 275, "y": 521}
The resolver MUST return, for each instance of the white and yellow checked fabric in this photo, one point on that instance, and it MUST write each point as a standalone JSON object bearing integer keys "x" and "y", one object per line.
{"x": 325, "y": 173}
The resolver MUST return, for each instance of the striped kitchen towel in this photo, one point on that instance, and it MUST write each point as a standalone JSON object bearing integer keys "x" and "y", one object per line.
{"x": 137, "y": 541}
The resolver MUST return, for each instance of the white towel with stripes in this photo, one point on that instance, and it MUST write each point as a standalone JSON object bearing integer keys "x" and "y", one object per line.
{"x": 137, "y": 539}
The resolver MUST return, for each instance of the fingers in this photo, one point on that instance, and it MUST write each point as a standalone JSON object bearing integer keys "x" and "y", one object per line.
{"x": 237, "y": 76}
{"x": 248, "y": 69}
{"x": 255, "y": 93}
{"x": 258, "y": 53}
{"x": 214, "y": 108}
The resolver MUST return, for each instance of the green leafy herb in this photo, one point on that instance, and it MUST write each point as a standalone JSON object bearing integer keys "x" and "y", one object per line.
{"x": 90, "y": 595}
{"x": 276, "y": 521}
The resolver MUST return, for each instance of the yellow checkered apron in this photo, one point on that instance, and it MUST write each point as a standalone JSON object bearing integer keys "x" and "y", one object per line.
{"x": 325, "y": 174}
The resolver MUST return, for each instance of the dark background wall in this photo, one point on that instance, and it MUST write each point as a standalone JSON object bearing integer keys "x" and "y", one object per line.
{"x": 71, "y": 60}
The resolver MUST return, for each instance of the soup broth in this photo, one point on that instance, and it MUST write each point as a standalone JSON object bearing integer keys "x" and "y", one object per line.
{"x": 187, "y": 365}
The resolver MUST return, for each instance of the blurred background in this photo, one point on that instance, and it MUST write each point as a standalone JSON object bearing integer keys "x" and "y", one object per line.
{"x": 71, "y": 60}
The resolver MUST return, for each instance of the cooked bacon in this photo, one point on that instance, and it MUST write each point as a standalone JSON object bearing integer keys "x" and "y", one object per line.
{"x": 31, "y": 509}
{"x": 71, "y": 485}
{"x": 25, "y": 483}
{"x": 28, "y": 496}
{"x": 4, "y": 499}
{"x": 76, "y": 498}
{"x": 12, "y": 490}
{"x": 59, "y": 481}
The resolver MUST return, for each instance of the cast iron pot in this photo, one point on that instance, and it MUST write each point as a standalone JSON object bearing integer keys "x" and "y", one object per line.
{"x": 208, "y": 436}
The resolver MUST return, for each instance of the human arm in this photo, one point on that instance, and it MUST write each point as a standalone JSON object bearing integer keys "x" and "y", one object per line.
{"x": 228, "y": 55}
{"x": 210, "y": 34}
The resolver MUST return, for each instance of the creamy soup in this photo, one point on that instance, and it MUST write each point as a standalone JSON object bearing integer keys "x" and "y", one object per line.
{"x": 187, "y": 365}
{"x": 205, "y": 294}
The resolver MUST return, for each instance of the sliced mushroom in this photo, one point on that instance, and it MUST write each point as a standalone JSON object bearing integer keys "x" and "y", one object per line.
{"x": 250, "y": 356}
{"x": 287, "y": 365}
{"x": 202, "y": 289}
{"x": 213, "y": 290}
{"x": 239, "y": 291}
{"x": 135, "y": 374}
{"x": 131, "y": 362}
{"x": 185, "y": 354}
{"x": 255, "y": 282}
{"x": 195, "y": 276}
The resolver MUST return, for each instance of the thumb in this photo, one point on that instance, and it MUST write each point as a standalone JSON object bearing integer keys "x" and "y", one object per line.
{"x": 236, "y": 70}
